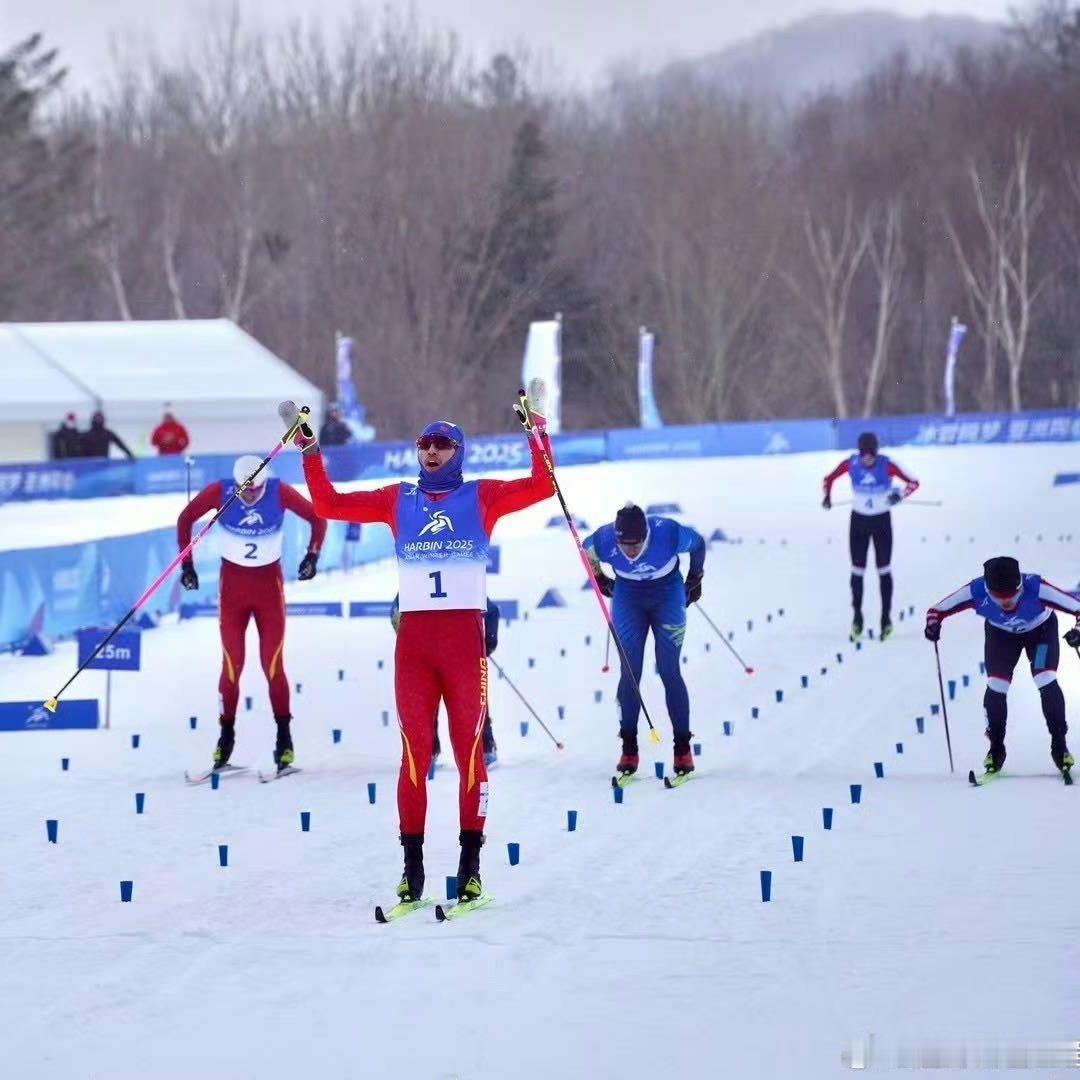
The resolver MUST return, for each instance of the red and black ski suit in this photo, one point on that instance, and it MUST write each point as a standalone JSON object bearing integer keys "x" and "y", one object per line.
{"x": 439, "y": 654}
{"x": 246, "y": 592}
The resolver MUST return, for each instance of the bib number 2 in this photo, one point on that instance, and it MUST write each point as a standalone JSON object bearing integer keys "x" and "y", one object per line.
{"x": 438, "y": 594}
{"x": 252, "y": 551}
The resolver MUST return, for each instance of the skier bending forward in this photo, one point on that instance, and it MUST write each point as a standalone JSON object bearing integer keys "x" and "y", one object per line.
{"x": 442, "y": 526}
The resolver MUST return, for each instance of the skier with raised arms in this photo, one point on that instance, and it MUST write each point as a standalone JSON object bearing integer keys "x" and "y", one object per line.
{"x": 442, "y": 527}
{"x": 1019, "y": 610}
{"x": 251, "y": 586}
{"x": 873, "y": 497}
{"x": 648, "y": 593}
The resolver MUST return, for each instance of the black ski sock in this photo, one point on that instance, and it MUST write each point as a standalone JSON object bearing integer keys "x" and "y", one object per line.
{"x": 996, "y": 710}
{"x": 1053, "y": 707}
{"x": 857, "y": 595}
{"x": 886, "y": 598}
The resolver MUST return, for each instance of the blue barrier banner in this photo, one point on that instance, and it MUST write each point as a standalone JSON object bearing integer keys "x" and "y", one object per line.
{"x": 89, "y": 478}
{"x": 965, "y": 429}
{"x": 714, "y": 440}
{"x": 1066, "y": 478}
{"x": 123, "y": 653}
{"x": 198, "y": 611}
{"x": 366, "y": 609}
{"x": 33, "y": 716}
{"x": 333, "y": 609}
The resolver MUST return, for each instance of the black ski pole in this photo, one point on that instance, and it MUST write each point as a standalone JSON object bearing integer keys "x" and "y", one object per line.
{"x": 301, "y": 422}
{"x": 524, "y": 414}
{"x": 731, "y": 648}
{"x": 495, "y": 664}
{"x": 607, "y": 654}
{"x": 944, "y": 709}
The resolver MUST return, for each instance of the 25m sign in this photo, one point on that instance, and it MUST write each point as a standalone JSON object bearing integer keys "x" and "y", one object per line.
{"x": 123, "y": 653}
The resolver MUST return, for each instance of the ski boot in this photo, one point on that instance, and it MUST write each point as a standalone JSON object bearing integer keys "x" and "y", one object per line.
{"x": 283, "y": 748}
{"x": 995, "y": 758}
{"x": 226, "y": 741}
{"x": 856, "y": 627}
{"x": 628, "y": 763}
{"x": 684, "y": 759}
{"x": 886, "y": 629}
{"x": 491, "y": 752}
{"x": 1063, "y": 760}
{"x": 469, "y": 886}
{"x": 411, "y": 886}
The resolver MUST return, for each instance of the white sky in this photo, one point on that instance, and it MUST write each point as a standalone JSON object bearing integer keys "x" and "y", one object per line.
{"x": 582, "y": 37}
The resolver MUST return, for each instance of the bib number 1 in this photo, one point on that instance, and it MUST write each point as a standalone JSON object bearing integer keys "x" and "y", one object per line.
{"x": 438, "y": 594}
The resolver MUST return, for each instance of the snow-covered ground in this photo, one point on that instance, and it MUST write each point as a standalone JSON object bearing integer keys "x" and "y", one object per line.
{"x": 932, "y": 915}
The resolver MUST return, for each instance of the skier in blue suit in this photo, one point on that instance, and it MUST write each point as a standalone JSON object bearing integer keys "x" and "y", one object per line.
{"x": 649, "y": 593}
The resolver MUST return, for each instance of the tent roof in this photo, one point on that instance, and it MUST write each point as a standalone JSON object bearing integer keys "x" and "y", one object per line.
{"x": 132, "y": 366}
{"x": 34, "y": 388}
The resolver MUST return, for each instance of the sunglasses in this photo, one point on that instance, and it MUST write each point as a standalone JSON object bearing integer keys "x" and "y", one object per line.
{"x": 438, "y": 442}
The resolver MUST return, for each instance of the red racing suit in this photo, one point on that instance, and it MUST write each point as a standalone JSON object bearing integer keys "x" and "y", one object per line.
{"x": 246, "y": 592}
{"x": 439, "y": 653}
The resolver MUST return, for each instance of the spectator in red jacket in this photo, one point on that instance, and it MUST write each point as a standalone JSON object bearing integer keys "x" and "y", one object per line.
{"x": 170, "y": 436}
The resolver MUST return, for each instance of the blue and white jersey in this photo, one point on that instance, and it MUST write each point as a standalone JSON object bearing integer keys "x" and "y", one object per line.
{"x": 665, "y": 541}
{"x": 870, "y": 487}
{"x": 1038, "y": 600}
{"x": 252, "y": 535}
{"x": 441, "y": 550}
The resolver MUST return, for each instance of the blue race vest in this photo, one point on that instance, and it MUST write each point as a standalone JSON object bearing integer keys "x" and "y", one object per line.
{"x": 1027, "y": 615}
{"x": 252, "y": 535}
{"x": 441, "y": 550}
{"x": 870, "y": 487}
{"x": 658, "y": 557}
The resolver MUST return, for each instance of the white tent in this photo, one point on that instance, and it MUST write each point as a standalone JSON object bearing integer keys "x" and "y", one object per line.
{"x": 218, "y": 381}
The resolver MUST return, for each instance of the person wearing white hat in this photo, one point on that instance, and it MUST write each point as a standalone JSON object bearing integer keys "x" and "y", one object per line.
{"x": 251, "y": 585}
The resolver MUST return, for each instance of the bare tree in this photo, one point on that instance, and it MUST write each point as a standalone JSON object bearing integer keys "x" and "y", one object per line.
{"x": 835, "y": 255}
{"x": 888, "y": 262}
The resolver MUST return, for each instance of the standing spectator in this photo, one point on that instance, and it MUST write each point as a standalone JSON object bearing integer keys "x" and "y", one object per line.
{"x": 66, "y": 440}
{"x": 97, "y": 439}
{"x": 170, "y": 436}
{"x": 334, "y": 432}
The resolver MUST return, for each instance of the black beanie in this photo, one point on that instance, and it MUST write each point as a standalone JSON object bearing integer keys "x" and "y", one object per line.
{"x": 1002, "y": 574}
{"x": 630, "y": 525}
{"x": 868, "y": 443}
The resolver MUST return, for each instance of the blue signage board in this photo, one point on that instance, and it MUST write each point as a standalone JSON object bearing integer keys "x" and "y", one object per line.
{"x": 33, "y": 716}
{"x": 360, "y": 609}
{"x": 123, "y": 653}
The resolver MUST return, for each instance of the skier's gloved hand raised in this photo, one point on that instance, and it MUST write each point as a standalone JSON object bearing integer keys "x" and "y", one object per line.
{"x": 528, "y": 417}
{"x": 932, "y": 630}
{"x": 308, "y": 565}
{"x": 188, "y": 578}
{"x": 605, "y": 583}
{"x": 692, "y": 587}
{"x": 303, "y": 438}
{"x": 826, "y": 503}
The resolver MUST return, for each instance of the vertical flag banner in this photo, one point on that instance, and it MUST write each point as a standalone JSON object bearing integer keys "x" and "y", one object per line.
{"x": 352, "y": 408}
{"x": 650, "y": 414}
{"x": 541, "y": 370}
{"x": 956, "y": 335}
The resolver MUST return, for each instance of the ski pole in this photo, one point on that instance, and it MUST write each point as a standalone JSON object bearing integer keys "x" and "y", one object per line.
{"x": 524, "y": 414}
{"x": 731, "y": 648}
{"x": 944, "y": 710}
{"x": 607, "y": 654}
{"x": 51, "y": 704}
{"x": 495, "y": 663}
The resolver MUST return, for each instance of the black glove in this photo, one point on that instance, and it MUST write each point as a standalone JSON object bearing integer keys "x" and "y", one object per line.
{"x": 932, "y": 630}
{"x": 490, "y": 645}
{"x": 188, "y": 578}
{"x": 893, "y": 498}
{"x": 1072, "y": 638}
{"x": 826, "y": 503}
{"x": 607, "y": 584}
{"x": 308, "y": 565}
{"x": 692, "y": 588}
